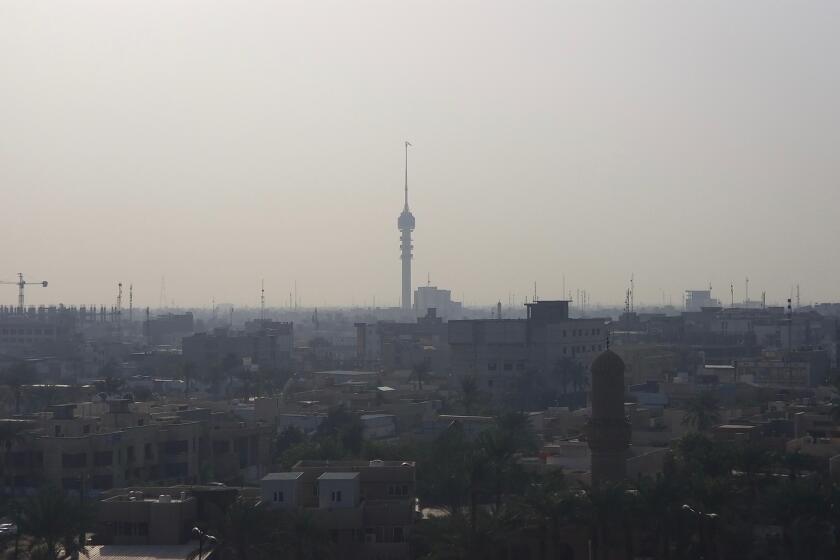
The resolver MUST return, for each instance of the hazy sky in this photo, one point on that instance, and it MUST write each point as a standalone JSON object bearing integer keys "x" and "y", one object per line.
{"x": 219, "y": 143}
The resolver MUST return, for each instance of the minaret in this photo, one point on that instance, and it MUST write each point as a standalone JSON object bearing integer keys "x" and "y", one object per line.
{"x": 405, "y": 224}
{"x": 608, "y": 431}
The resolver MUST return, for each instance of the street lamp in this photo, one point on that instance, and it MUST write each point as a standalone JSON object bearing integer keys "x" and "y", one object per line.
{"x": 701, "y": 517}
{"x": 202, "y": 536}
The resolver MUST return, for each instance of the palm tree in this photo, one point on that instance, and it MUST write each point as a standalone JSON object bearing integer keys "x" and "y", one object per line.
{"x": 702, "y": 412}
{"x": 795, "y": 462}
{"x": 419, "y": 372}
{"x": 243, "y": 532}
{"x": 548, "y": 508}
{"x": 302, "y": 537}
{"x": 469, "y": 392}
{"x": 54, "y": 521}
{"x": 570, "y": 371}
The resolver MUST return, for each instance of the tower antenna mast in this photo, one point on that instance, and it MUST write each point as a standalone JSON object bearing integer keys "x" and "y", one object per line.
{"x": 262, "y": 301}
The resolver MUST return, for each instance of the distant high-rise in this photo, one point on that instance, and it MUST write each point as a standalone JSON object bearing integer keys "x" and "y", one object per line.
{"x": 405, "y": 224}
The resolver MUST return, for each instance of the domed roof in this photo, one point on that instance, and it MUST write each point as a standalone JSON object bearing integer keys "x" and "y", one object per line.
{"x": 608, "y": 362}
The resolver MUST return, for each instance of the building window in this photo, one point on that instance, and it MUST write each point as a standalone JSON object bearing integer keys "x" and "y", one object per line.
{"x": 278, "y": 496}
{"x": 508, "y": 366}
{"x": 398, "y": 490}
{"x": 103, "y": 458}
{"x": 336, "y": 496}
{"x": 491, "y": 366}
{"x": 399, "y": 535}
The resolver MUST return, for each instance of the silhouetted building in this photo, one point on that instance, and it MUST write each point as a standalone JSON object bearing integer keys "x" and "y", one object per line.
{"x": 498, "y": 351}
{"x": 608, "y": 430}
{"x": 270, "y": 347}
{"x": 432, "y": 297}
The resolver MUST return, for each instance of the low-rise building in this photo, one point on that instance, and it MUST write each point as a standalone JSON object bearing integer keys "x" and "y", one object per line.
{"x": 369, "y": 508}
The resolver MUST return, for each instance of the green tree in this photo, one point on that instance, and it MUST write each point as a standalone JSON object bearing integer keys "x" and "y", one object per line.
{"x": 302, "y": 537}
{"x": 702, "y": 412}
{"x": 242, "y": 533}
{"x": 470, "y": 393}
{"x": 54, "y": 521}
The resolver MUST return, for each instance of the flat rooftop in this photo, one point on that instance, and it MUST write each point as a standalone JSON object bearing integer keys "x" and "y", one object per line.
{"x": 339, "y": 476}
{"x": 145, "y": 552}
{"x": 283, "y": 476}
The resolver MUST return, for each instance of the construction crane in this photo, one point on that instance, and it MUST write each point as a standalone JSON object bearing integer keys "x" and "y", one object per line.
{"x": 21, "y": 284}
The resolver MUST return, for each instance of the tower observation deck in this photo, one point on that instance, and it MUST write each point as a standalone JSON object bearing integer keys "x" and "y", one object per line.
{"x": 405, "y": 223}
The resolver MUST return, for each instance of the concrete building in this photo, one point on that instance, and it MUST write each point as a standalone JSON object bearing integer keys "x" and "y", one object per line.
{"x": 432, "y": 297}
{"x": 269, "y": 347}
{"x": 396, "y": 346}
{"x": 75, "y": 446}
{"x": 368, "y": 507}
{"x": 695, "y": 300}
{"x": 169, "y": 328}
{"x": 497, "y": 350}
{"x": 136, "y": 518}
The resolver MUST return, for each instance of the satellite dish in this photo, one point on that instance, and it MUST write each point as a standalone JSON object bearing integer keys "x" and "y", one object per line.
{"x": 44, "y": 283}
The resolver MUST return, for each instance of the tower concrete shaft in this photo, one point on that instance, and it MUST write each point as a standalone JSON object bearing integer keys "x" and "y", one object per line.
{"x": 406, "y": 247}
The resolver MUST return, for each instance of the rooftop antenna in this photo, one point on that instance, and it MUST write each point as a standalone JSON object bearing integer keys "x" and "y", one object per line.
{"x": 428, "y": 279}
{"x": 731, "y": 295}
{"x": 632, "y": 293}
{"x": 535, "y": 291}
{"x": 564, "y": 284}
{"x": 162, "y": 299}
{"x": 262, "y": 301}
{"x": 119, "y": 301}
{"x": 130, "y": 302}
{"x": 797, "y": 296}
{"x": 747, "y": 289}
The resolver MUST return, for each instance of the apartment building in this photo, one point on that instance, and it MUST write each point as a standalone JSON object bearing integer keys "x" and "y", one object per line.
{"x": 131, "y": 445}
{"x": 369, "y": 508}
{"x": 496, "y": 350}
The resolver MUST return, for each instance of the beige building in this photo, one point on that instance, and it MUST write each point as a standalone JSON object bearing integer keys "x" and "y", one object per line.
{"x": 369, "y": 508}
{"x": 496, "y": 351}
{"x": 137, "y": 518}
{"x": 128, "y": 445}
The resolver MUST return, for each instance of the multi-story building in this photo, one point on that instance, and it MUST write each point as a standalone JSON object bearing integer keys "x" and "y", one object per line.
{"x": 432, "y": 297}
{"x": 77, "y": 450}
{"x": 268, "y": 347}
{"x": 169, "y": 328}
{"x": 369, "y": 508}
{"x": 404, "y": 345}
{"x": 497, "y": 350}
